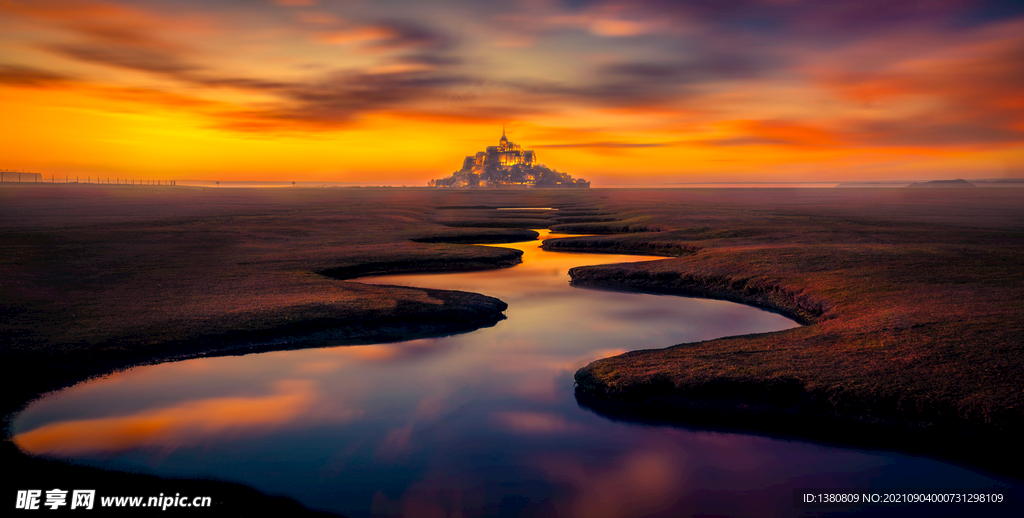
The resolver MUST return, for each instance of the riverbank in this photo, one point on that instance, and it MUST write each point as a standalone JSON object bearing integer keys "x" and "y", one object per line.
{"x": 914, "y": 324}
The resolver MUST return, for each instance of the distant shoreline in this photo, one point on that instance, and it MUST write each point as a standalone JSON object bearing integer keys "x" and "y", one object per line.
{"x": 259, "y": 184}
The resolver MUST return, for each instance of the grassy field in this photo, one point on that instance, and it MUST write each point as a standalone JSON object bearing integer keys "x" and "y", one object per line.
{"x": 913, "y": 303}
{"x": 912, "y": 298}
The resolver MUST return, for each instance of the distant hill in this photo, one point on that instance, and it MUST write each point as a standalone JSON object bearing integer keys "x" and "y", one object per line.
{"x": 883, "y": 184}
{"x": 944, "y": 184}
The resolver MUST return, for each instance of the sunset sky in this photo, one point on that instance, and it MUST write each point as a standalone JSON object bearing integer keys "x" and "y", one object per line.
{"x": 639, "y": 92}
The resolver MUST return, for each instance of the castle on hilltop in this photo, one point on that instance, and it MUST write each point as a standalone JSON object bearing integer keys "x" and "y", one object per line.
{"x": 506, "y": 165}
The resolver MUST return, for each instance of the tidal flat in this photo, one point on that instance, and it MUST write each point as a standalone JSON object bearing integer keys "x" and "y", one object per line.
{"x": 911, "y": 299}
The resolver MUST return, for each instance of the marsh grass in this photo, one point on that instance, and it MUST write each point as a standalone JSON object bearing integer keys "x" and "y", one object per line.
{"x": 914, "y": 333}
{"x": 912, "y": 298}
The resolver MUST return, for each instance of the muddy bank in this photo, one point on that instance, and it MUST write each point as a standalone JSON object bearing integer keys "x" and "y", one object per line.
{"x": 505, "y": 258}
{"x": 487, "y": 236}
{"x": 792, "y": 302}
{"x": 785, "y": 408}
{"x": 645, "y": 244}
{"x": 617, "y": 226}
{"x": 891, "y": 354}
{"x": 509, "y": 222}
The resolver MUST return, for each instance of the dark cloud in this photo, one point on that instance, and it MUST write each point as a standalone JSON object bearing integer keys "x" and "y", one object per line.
{"x": 829, "y": 23}
{"x": 608, "y": 93}
{"x": 633, "y": 84}
{"x": 776, "y": 12}
{"x": 163, "y": 62}
{"x": 707, "y": 10}
{"x": 433, "y": 60}
{"x": 18, "y": 75}
{"x": 337, "y": 96}
{"x": 128, "y": 57}
{"x": 643, "y": 71}
{"x": 238, "y": 83}
{"x": 341, "y": 95}
{"x": 742, "y": 14}
{"x": 704, "y": 68}
{"x": 988, "y": 11}
{"x": 825, "y": 22}
{"x": 333, "y": 100}
{"x": 733, "y": 41}
{"x": 329, "y": 99}
{"x": 403, "y": 35}
{"x": 114, "y": 34}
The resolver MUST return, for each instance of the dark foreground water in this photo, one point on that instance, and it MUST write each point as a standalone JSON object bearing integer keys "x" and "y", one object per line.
{"x": 479, "y": 424}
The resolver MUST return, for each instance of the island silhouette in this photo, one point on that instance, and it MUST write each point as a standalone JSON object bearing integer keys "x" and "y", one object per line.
{"x": 506, "y": 165}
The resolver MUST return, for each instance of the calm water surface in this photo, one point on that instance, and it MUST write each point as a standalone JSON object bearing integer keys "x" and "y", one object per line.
{"x": 478, "y": 424}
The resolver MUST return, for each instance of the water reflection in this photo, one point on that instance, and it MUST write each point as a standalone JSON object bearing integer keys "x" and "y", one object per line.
{"x": 187, "y": 422}
{"x": 479, "y": 424}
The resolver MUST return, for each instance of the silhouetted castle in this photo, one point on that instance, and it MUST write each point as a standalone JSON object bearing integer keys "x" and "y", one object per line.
{"x": 506, "y": 165}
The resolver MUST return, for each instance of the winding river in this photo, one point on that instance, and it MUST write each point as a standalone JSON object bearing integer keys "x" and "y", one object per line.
{"x": 478, "y": 424}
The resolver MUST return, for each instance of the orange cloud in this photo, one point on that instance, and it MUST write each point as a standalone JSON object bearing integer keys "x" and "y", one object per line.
{"x": 840, "y": 87}
{"x": 110, "y": 20}
{"x": 29, "y": 77}
{"x": 318, "y": 18}
{"x": 775, "y": 133}
{"x": 356, "y": 35}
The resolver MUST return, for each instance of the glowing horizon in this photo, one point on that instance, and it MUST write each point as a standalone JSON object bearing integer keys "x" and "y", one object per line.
{"x": 639, "y": 92}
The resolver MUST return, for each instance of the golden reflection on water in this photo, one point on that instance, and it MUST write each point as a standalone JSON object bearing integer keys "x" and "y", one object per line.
{"x": 541, "y": 273}
{"x": 181, "y": 423}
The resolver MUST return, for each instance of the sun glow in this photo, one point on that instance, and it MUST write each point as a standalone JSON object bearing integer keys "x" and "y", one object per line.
{"x": 332, "y": 93}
